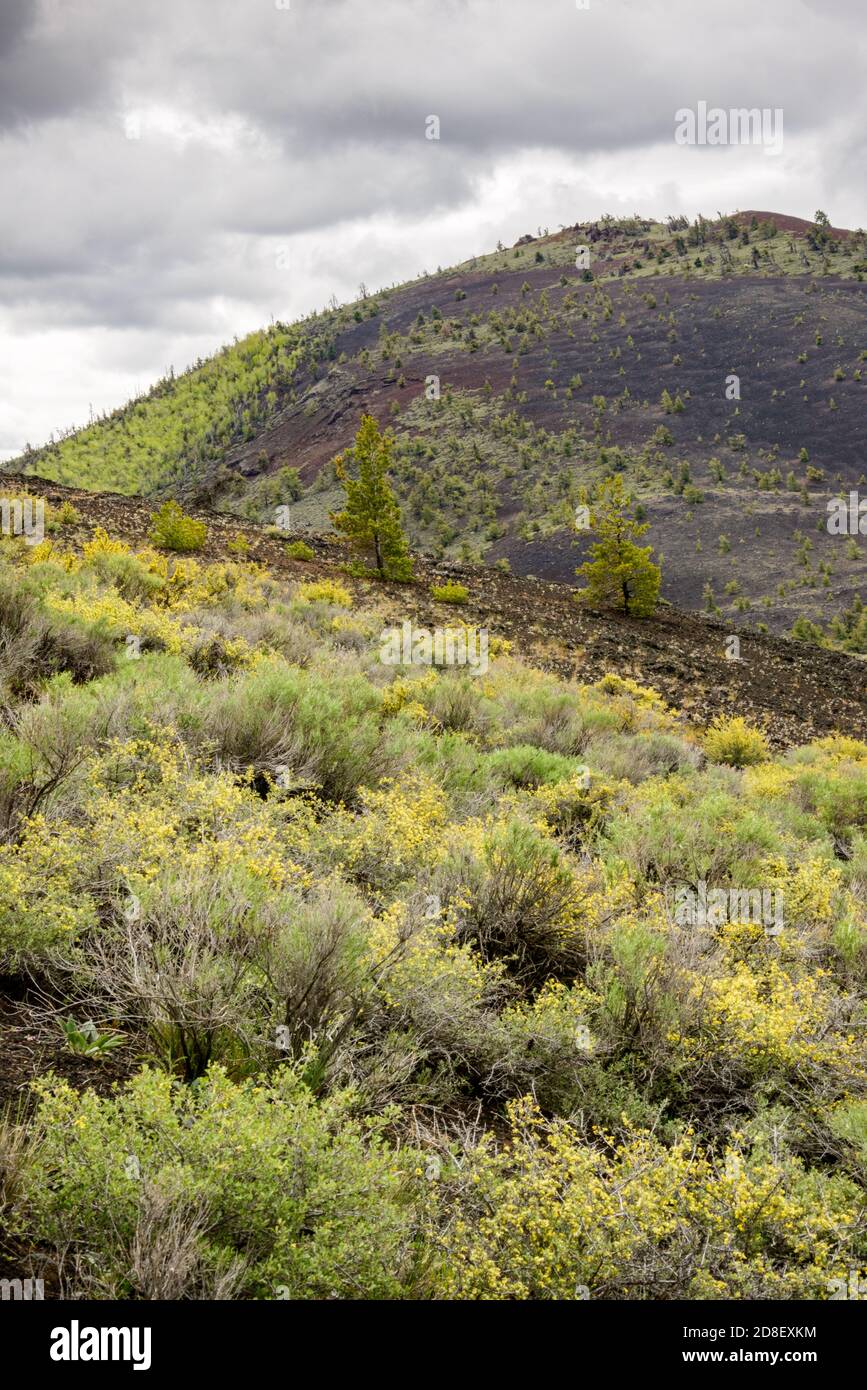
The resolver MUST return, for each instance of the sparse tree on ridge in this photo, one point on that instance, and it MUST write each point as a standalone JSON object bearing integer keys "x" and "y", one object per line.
{"x": 619, "y": 571}
{"x": 371, "y": 517}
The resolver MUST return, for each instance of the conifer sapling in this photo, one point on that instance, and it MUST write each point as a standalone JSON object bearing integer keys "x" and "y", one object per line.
{"x": 371, "y": 517}
{"x": 619, "y": 571}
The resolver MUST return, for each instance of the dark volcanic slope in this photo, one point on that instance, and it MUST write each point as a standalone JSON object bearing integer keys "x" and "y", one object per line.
{"x": 764, "y": 465}
{"x": 743, "y": 326}
{"x": 552, "y": 376}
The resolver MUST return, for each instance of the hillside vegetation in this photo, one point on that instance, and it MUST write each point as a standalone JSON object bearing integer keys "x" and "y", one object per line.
{"x": 517, "y": 382}
{"x": 326, "y": 977}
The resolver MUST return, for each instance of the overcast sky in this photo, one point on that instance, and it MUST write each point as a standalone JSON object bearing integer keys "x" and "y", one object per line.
{"x": 176, "y": 172}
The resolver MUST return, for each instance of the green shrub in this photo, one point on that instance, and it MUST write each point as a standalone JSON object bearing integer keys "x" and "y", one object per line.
{"x": 325, "y": 591}
{"x": 172, "y": 530}
{"x": 634, "y": 759}
{"x": 324, "y": 733}
{"x": 35, "y": 646}
{"x": 525, "y": 766}
{"x": 300, "y": 550}
{"x": 516, "y": 898}
{"x": 675, "y": 832}
{"x": 838, "y": 796}
{"x": 449, "y": 592}
{"x": 221, "y": 1190}
{"x": 456, "y": 702}
{"x": 127, "y": 574}
{"x": 733, "y": 741}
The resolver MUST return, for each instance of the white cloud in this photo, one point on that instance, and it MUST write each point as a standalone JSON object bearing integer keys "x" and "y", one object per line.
{"x": 196, "y": 168}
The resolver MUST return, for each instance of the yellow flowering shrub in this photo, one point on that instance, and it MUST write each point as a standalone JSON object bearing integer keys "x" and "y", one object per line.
{"x": 401, "y": 693}
{"x": 103, "y": 544}
{"x": 325, "y": 591}
{"x": 397, "y": 833}
{"x": 546, "y": 1216}
{"x": 42, "y": 902}
{"x": 808, "y": 888}
{"x": 148, "y": 806}
{"x": 120, "y": 617}
{"x": 571, "y": 808}
{"x": 558, "y": 1014}
{"x": 839, "y": 748}
{"x": 641, "y": 694}
{"x": 435, "y": 972}
{"x": 452, "y": 894}
{"x": 768, "y": 780}
{"x": 731, "y": 740}
{"x": 764, "y": 1018}
{"x": 43, "y": 552}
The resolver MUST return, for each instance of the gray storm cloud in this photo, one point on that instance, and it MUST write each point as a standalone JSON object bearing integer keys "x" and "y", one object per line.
{"x": 156, "y": 158}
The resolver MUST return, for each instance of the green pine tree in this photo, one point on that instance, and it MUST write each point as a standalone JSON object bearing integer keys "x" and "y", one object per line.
{"x": 619, "y": 571}
{"x": 371, "y": 517}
